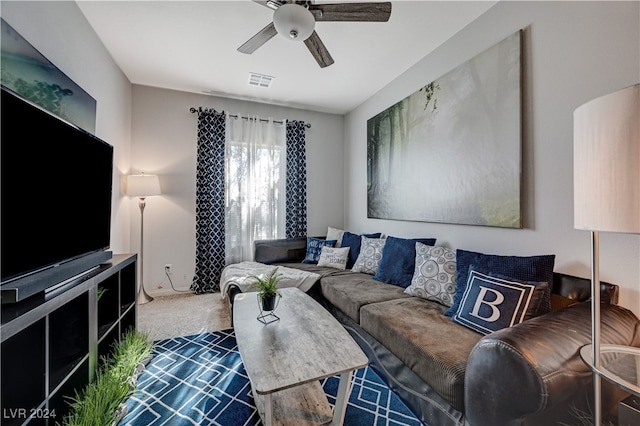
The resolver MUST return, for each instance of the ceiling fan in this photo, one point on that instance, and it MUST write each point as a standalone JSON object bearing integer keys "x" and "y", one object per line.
{"x": 295, "y": 20}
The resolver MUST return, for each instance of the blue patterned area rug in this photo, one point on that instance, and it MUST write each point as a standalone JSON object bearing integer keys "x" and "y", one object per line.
{"x": 200, "y": 380}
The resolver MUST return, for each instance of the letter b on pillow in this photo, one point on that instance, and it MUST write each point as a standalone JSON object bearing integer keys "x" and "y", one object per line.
{"x": 496, "y": 300}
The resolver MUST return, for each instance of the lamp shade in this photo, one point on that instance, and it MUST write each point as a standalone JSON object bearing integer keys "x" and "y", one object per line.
{"x": 143, "y": 185}
{"x": 606, "y": 163}
{"x": 294, "y": 22}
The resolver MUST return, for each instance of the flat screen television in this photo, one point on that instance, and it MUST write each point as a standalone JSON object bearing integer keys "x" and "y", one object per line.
{"x": 56, "y": 190}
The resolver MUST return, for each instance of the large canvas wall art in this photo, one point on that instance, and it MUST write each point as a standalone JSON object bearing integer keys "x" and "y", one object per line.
{"x": 451, "y": 151}
{"x": 28, "y": 73}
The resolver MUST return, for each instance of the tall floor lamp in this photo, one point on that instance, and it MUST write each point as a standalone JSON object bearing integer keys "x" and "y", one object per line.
{"x": 142, "y": 186}
{"x": 606, "y": 163}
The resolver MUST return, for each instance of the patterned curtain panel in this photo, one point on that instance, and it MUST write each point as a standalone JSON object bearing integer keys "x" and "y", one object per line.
{"x": 210, "y": 199}
{"x": 296, "y": 182}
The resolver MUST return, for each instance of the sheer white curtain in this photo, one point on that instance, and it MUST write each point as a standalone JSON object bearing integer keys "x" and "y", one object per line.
{"x": 255, "y": 184}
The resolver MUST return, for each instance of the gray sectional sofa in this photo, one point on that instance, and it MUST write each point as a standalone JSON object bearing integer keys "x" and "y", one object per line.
{"x": 448, "y": 374}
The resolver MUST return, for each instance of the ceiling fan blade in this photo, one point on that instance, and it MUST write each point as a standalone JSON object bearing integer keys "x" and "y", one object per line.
{"x": 318, "y": 50}
{"x": 271, "y": 4}
{"x": 363, "y": 12}
{"x": 263, "y": 36}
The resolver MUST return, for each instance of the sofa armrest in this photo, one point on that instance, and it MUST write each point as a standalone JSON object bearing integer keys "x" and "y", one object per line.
{"x": 534, "y": 367}
{"x": 280, "y": 250}
{"x": 579, "y": 289}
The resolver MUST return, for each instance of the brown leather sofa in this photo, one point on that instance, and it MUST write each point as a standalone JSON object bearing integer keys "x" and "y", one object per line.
{"x": 528, "y": 374}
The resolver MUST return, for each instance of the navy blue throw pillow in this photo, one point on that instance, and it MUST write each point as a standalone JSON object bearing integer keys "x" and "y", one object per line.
{"x": 531, "y": 268}
{"x": 314, "y": 249}
{"x": 353, "y": 241}
{"x": 492, "y": 302}
{"x": 399, "y": 260}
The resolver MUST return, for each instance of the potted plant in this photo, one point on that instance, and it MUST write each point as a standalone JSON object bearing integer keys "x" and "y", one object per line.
{"x": 267, "y": 288}
{"x": 102, "y": 401}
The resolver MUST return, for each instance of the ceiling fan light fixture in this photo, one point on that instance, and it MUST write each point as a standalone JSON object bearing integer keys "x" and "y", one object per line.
{"x": 294, "y": 22}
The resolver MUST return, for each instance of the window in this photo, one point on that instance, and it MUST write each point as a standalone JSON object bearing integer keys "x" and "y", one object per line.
{"x": 255, "y": 185}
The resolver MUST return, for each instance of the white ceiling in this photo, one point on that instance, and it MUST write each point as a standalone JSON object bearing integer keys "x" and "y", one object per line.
{"x": 191, "y": 46}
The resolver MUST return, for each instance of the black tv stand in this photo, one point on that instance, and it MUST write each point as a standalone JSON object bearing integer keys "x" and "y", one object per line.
{"x": 52, "y": 343}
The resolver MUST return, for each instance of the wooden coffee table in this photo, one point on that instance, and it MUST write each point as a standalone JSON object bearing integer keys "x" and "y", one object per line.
{"x": 286, "y": 359}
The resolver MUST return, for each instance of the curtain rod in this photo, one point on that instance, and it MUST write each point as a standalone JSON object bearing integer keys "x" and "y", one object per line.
{"x": 194, "y": 110}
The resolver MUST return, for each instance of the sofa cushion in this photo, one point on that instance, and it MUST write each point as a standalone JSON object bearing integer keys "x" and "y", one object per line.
{"x": 435, "y": 348}
{"x": 399, "y": 259}
{"x": 280, "y": 250}
{"x": 353, "y": 241}
{"x": 531, "y": 268}
{"x": 349, "y": 292}
{"x": 371, "y": 250}
{"x": 560, "y": 302}
{"x": 434, "y": 276}
{"x": 335, "y": 234}
{"x": 492, "y": 301}
{"x": 334, "y": 257}
{"x": 314, "y": 248}
{"x": 323, "y": 271}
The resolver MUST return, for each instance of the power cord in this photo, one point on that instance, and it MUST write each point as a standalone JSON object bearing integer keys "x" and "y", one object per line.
{"x": 166, "y": 272}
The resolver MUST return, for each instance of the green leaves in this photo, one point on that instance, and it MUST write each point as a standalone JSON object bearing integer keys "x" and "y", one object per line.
{"x": 267, "y": 285}
{"x": 98, "y": 403}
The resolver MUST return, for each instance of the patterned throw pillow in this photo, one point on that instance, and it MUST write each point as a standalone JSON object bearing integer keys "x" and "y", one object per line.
{"x": 314, "y": 247}
{"x": 370, "y": 254}
{"x": 492, "y": 302}
{"x": 434, "y": 277}
{"x": 529, "y": 268}
{"x": 334, "y": 257}
{"x": 399, "y": 260}
{"x": 353, "y": 241}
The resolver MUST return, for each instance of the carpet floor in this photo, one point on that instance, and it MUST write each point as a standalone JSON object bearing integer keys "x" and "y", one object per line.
{"x": 200, "y": 380}
{"x": 183, "y": 315}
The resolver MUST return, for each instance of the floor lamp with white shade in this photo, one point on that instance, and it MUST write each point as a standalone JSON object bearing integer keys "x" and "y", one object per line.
{"x": 606, "y": 166}
{"x": 142, "y": 186}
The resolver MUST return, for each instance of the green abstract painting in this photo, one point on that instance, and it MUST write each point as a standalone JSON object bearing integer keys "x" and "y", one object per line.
{"x": 32, "y": 76}
{"x": 451, "y": 151}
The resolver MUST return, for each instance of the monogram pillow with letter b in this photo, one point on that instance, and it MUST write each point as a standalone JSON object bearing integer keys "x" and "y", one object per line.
{"x": 492, "y": 301}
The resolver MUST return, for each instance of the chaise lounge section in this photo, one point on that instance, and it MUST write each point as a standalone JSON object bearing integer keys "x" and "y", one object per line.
{"x": 527, "y": 374}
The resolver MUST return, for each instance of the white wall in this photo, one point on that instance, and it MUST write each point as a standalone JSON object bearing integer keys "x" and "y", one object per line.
{"x": 573, "y": 52}
{"x": 60, "y": 32}
{"x": 164, "y": 143}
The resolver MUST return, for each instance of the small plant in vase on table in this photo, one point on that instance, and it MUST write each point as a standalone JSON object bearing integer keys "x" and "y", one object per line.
{"x": 267, "y": 288}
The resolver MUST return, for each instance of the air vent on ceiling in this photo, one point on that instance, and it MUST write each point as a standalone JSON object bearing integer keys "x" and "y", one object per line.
{"x": 259, "y": 80}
